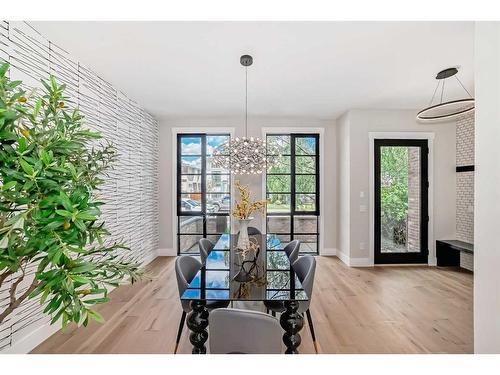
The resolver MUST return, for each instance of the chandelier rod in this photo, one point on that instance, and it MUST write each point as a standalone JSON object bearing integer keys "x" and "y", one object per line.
{"x": 433, "y": 95}
{"x": 442, "y": 91}
{"x": 246, "y": 101}
{"x": 461, "y": 84}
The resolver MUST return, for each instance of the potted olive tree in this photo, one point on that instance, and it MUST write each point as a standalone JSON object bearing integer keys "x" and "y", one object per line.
{"x": 50, "y": 168}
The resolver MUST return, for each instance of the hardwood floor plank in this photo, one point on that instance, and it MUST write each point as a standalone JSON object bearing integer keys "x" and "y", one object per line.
{"x": 384, "y": 309}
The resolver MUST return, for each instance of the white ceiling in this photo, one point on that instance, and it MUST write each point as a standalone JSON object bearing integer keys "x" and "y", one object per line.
{"x": 301, "y": 69}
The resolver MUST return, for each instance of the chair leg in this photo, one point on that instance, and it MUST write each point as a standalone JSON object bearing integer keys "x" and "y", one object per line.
{"x": 267, "y": 311}
{"x": 179, "y": 332}
{"x": 311, "y": 327}
{"x": 273, "y": 313}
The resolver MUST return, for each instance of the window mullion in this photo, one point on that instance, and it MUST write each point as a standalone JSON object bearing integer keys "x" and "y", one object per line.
{"x": 292, "y": 183}
{"x": 204, "y": 183}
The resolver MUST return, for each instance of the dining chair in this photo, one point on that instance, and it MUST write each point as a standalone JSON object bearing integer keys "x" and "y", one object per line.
{"x": 292, "y": 251}
{"x": 305, "y": 269}
{"x": 235, "y": 331}
{"x": 252, "y": 231}
{"x": 186, "y": 268}
{"x": 206, "y": 247}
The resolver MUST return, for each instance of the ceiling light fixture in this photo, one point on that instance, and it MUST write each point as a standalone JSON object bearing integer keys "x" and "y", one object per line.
{"x": 246, "y": 155}
{"x": 449, "y": 109}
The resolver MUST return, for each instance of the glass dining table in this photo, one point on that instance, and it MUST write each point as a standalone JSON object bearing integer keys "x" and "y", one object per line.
{"x": 260, "y": 274}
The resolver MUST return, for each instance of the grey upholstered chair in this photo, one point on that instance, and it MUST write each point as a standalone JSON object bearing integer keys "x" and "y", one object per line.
{"x": 292, "y": 251}
{"x": 206, "y": 247}
{"x": 305, "y": 269}
{"x": 186, "y": 268}
{"x": 244, "y": 331}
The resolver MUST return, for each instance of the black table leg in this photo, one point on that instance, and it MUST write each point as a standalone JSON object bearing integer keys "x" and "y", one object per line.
{"x": 292, "y": 322}
{"x": 197, "y": 322}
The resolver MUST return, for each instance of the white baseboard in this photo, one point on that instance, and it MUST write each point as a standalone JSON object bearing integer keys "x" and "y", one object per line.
{"x": 343, "y": 257}
{"x": 32, "y": 340}
{"x": 166, "y": 252}
{"x": 355, "y": 262}
{"x": 328, "y": 251}
{"x": 360, "y": 262}
{"x": 432, "y": 261}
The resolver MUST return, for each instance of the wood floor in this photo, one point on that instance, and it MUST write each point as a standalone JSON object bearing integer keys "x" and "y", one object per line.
{"x": 393, "y": 309}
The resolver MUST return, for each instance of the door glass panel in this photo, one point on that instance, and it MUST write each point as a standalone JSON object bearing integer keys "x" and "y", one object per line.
{"x": 191, "y": 146}
{"x": 400, "y": 199}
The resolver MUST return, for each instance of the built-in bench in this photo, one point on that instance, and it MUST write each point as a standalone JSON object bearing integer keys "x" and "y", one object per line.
{"x": 448, "y": 252}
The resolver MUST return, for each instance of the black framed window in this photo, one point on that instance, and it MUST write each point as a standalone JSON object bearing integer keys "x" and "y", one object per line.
{"x": 292, "y": 191}
{"x": 203, "y": 191}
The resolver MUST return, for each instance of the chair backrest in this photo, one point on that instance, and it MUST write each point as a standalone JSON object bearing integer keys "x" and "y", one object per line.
{"x": 243, "y": 331}
{"x": 292, "y": 251}
{"x": 186, "y": 268}
{"x": 252, "y": 231}
{"x": 206, "y": 247}
{"x": 305, "y": 269}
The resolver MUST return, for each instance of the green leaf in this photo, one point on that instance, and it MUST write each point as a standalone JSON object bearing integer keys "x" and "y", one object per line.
{"x": 38, "y": 105}
{"x": 4, "y": 242}
{"x": 96, "y": 316}
{"x": 65, "y": 201}
{"x": 84, "y": 267}
{"x": 8, "y": 185}
{"x": 64, "y": 213}
{"x": 85, "y": 216}
{"x": 26, "y": 167}
{"x": 96, "y": 301}
{"x": 22, "y": 145}
{"x": 3, "y": 69}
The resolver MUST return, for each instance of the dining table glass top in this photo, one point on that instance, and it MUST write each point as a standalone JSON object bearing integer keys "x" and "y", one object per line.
{"x": 233, "y": 275}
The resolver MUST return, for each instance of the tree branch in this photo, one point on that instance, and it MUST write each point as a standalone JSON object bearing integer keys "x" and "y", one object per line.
{"x": 15, "y": 302}
{"x": 4, "y": 275}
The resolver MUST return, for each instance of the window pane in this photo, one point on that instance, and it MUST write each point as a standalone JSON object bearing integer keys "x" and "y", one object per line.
{"x": 282, "y": 167}
{"x": 305, "y": 146}
{"x": 191, "y": 145}
{"x": 189, "y": 243}
{"x": 305, "y": 164}
{"x": 278, "y": 224}
{"x": 305, "y": 202}
{"x": 217, "y": 183}
{"x": 214, "y": 141}
{"x": 277, "y": 241}
{"x": 191, "y": 224}
{"x": 280, "y": 141}
{"x": 191, "y": 164}
{"x": 190, "y": 183}
{"x": 218, "y": 224}
{"x": 278, "y": 183}
{"x": 305, "y": 224}
{"x": 278, "y": 202}
{"x": 190, "y": 202}
{"x": 305, "y": 184}
{"x": 220, "y": 203}
{"x": 211, "y": 168}
{"x": 308, "y": 243}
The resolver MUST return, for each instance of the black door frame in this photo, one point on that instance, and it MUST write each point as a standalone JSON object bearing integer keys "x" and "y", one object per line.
{"x": 402, "y": 258}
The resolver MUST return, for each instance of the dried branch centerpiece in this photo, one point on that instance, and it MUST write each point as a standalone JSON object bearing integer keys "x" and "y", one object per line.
{"x": 243, "y": 211}
{"x": 248, "y": 248}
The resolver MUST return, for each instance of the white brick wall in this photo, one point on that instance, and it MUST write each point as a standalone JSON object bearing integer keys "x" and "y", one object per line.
{"x": 465, "y": 186}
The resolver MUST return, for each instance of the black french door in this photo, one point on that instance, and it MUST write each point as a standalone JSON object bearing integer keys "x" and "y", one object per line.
{"x": 401, "y": 201}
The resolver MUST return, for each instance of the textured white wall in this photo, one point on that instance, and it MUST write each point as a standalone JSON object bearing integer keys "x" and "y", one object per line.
{"x": 131, "y": 191}
{"x": 465, "y": 180}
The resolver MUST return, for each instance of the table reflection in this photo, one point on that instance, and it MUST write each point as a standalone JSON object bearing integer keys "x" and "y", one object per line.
{"x": 272, "y": 277}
